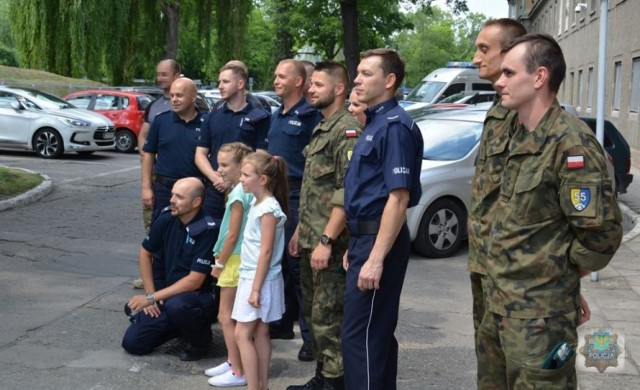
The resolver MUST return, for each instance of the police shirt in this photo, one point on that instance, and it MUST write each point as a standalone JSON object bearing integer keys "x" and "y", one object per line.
{"x": 290, "y": 132}
{"x": 174, "y": 141}
{"x": 185, "y": 248}
{"x": 387, "y": 156}
{"x": 556, "y": 211}
{"x": 249, "y": 126}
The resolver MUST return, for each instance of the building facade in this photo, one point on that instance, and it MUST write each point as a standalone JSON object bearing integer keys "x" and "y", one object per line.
{"x": 575, "y": 25}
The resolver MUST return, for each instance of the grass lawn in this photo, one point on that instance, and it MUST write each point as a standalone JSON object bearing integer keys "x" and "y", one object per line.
{"x": 17, "y": 181}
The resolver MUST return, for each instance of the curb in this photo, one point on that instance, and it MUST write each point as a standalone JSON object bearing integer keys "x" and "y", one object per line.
{"x": 631, "y": 217}
{"x": 31, "y": 196}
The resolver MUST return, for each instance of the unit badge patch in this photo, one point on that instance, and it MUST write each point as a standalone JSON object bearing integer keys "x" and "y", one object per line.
{"x": 580, "y": 198}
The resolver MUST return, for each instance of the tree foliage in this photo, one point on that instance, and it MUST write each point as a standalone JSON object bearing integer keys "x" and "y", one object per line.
{"x": 436, "y": 39}
{"x": 116, "y": 41}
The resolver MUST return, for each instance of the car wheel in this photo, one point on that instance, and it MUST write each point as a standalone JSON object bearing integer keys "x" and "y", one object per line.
{"x": 48, "y": 143}
{"x": 441, "y": 229}
{"x": 125, "y": 141}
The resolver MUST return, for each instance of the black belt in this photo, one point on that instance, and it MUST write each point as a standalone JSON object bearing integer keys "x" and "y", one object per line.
{"x": 165, "y": 181}
{"x": 360, "y": 227}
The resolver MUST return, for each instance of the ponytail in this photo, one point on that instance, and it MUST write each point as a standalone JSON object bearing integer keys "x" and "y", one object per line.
{"x": 275, "y": 169}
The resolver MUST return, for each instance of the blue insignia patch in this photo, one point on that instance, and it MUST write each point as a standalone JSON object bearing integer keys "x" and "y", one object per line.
{"x": 580, "y": 198}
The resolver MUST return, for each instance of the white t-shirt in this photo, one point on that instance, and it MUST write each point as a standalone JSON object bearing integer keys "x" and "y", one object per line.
{"x": 253, "y": 234}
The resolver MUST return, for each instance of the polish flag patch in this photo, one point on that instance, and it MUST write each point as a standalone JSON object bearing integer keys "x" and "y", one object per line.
{"x": 575, "y": 162}
{"x": 351, "y": 133}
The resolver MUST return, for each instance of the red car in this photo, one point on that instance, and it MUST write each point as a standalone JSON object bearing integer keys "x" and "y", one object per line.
{"x": 125, "y": 109}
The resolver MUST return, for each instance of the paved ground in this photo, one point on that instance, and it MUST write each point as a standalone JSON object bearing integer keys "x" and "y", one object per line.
{"x": 63, "y": 282}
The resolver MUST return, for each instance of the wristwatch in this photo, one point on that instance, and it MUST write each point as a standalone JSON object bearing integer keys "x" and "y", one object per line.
{"x": 326, "y": 240}
{"x": 150, "y": 299}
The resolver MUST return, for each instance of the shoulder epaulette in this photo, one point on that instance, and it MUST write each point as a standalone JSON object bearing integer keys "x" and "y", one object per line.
{"x": 202, "y": 224}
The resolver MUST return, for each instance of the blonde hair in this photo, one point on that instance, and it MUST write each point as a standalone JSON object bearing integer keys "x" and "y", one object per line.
{"x": 238, "y": 151}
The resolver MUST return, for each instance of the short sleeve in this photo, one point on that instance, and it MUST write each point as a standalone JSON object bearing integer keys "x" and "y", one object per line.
{"x": 271, "y": 206}
{"x": 207, "y": 129}
{"x": 397, "y": 162}
{"x": 151, "y": 144}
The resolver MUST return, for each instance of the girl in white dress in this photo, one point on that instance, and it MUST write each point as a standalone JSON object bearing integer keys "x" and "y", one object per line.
{"x": 260, "y": 294}
{"x": 227, "y": 264}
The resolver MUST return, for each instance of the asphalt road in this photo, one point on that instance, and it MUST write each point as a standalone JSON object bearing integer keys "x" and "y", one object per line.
{"x": 66, "y": 263}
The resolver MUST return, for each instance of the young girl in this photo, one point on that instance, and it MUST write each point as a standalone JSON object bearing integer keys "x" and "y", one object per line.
{"x": 260, "y": 296}
{"x": 227, "y": 261}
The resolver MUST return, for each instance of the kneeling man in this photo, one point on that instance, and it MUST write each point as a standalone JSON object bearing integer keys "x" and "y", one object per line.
{"x": 179, "y": 301}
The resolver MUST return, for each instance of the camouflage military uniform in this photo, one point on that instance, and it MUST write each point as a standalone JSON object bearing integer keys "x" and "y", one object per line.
{"x": 557, "y": 211}
{"x": 484, "y": 196}
{"x": 327, "y": 156}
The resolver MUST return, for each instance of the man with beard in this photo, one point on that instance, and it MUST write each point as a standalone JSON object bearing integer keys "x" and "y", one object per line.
{"x": 321, "y": 238}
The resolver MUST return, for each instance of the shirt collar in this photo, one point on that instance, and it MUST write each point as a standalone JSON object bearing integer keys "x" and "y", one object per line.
{"x": 372, "y": 112}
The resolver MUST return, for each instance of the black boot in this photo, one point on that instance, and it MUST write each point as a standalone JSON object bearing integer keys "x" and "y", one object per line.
{"x": 333, "y": 383}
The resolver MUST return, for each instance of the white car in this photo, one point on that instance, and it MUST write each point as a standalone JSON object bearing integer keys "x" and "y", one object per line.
{"x": 34, "y": 120}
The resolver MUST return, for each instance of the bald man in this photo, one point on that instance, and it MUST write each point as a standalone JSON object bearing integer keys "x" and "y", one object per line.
{"x": 180, "y": 302}
{"x": 169, "y": 150}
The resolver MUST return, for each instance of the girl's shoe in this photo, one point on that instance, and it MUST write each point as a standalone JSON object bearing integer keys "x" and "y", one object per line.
{"x": 218, "y": 370}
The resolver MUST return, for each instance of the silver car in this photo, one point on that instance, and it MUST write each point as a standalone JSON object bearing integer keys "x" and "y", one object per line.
{"x": 438, "y": 224}
{"x": 34, "y": 120}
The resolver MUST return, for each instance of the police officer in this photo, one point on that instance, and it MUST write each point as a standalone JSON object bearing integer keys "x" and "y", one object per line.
{"x": 179, "y": 303}
{"x": 237, "y": 119}
{"x": 170, "y": 147}
{"x": 289, "y": 133}
{"x": 382, "y": 181}
{"x": 557, "y": 219}
{"x": 321, "y": 238}
{"x": 167, "y": 71}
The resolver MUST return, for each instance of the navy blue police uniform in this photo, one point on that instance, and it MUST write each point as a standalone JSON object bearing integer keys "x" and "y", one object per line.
{"x": 184, "y": 248}
{"x": 289, "y": 133}
{"x": 387, "y": 156}
{"x": 174, "y": 142}
{"x": 249, "y": 126}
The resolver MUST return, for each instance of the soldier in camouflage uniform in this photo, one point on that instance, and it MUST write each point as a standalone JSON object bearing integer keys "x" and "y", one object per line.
{"x": 321, "y": 238}
{"x": 495, "y": 34}
{"x": 556, "y": 220}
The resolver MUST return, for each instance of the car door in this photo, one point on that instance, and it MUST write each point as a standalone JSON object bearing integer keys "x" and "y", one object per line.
{"x": 110, "y": 106}
{"x": 82, "y": 101}
{"x": 15, "y": 124}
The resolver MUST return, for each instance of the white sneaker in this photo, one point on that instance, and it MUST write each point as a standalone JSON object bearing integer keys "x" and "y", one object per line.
{"x": 228, "y": 379}
{"x": 218, "y": 370}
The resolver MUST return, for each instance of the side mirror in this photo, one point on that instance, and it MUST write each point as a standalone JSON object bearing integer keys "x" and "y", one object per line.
{"x": 17, "y": 106}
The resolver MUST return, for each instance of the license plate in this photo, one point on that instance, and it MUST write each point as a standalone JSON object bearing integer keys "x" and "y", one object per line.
{"x": 108, "y": 135}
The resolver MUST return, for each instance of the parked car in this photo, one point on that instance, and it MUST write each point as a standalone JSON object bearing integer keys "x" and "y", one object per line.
{"x": 441, "y": 83}
{"x": 125, "y": 109}
{"x": 156, "y": 92}
{"x": 438, "y": 223}
{"x": 469, "y": 97}
{"x": 34, "y": 120}
{"x": 619, "y": 152}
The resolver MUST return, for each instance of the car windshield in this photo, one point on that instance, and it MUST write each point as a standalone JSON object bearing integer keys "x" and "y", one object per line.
{"x": 453, "y": 98}
{"x": 449, "y": 139}
{"x": 45, "y": 100}
{"x": 425, "y": 91}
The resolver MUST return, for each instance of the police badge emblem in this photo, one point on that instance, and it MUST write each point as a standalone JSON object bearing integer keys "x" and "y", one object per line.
{"x": 580, "y": 198}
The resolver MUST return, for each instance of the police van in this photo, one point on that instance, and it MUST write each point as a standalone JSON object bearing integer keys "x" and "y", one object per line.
{"x": 454, "y": 78}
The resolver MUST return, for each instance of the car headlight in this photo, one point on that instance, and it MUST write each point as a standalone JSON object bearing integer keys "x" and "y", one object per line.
{"x": 73, "y": 122}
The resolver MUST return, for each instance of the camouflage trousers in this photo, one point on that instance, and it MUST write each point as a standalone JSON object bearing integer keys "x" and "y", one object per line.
{"x": 323, "y": 303}
{"x": 478, "y": 296}
{"x": 512, "y": 352}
